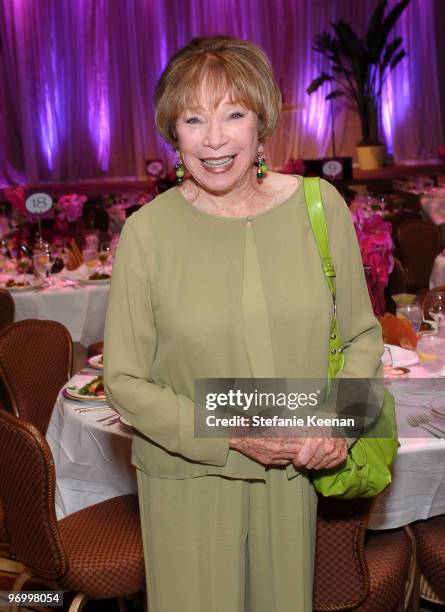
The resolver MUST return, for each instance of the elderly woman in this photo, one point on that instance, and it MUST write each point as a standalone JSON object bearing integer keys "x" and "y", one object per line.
{"x": 220, "y": 277}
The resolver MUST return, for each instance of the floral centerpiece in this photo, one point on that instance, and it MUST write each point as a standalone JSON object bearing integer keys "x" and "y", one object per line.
{"x": 376, "y": 246}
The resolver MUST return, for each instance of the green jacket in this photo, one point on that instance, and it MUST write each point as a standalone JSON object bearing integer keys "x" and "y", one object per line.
{"x": 194, "y": 296}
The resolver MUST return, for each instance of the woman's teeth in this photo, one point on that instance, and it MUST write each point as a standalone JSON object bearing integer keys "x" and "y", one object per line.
{"x": 218, "y": 163}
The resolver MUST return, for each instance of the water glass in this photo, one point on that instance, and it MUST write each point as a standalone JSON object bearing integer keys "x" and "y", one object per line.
{"x": 412, "y": 312}
{"x": 431, "y": 351}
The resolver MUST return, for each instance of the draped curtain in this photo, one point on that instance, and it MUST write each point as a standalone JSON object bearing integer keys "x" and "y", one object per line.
{"x": 77, "y": 80}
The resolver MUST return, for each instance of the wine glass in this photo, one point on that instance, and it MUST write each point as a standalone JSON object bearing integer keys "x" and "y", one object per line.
{"x": 104, "y": 254}
{"x": 43, "y": 260}
{"x": 382, "y": 203}
{"x": 412, "y": 312}
{"x": 437, "y": 308}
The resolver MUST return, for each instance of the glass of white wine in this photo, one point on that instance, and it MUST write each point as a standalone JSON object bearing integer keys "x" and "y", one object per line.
{"x": 104, "y": 254}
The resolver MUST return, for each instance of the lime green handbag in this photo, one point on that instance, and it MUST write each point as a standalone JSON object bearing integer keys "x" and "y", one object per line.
{"x": 366, "y": 471}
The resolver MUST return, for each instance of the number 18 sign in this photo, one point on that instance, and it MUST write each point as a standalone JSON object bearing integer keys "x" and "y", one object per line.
{"x": 38, "y": 203}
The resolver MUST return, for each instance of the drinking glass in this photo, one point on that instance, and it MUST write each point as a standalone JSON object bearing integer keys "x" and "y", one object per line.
{"x": 412, "y": 312}
{"x": 431, "y": 351}
{"x": 382, "y": 203}
{"x": 104, "y": 254}
{"x": 437, "y": 308}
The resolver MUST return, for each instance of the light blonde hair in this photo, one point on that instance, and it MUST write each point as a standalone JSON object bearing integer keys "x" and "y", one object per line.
{"x": 224, "y": 65}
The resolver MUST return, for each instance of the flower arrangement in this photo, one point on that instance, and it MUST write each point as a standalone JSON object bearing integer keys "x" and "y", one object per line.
{"x": 293, "y": 166}
{"x": 16, "y": 197}
{"x": 70, "y": 207}
{"x": 376, "y": 246}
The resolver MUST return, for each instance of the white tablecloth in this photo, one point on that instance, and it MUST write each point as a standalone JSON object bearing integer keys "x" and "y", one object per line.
{"x": 93, "y": 460}
{"x": 81, "y": 310}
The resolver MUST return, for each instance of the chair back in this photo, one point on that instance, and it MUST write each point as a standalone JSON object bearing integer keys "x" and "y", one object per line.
{"x": 7, "y": 309}
{"x": 341, "y": 577}
{"x": 419, "y": 244}
{"x": 27, "y": 488}
{"x": 35, "y": 363}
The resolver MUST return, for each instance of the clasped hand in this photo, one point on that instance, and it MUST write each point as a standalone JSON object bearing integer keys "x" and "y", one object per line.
{"x": 311, "y": 453}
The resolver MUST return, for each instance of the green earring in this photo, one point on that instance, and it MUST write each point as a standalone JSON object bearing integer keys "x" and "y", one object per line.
{"x": 262, "y": 167}
{"x": 179, "y": 170}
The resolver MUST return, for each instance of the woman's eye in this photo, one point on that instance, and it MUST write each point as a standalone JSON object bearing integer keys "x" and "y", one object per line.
{"x": 236, "y": 115}
{"x": 192, "y": 120}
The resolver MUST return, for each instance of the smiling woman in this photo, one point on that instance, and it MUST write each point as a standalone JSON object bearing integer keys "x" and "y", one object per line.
{"x": 220, "y": 278}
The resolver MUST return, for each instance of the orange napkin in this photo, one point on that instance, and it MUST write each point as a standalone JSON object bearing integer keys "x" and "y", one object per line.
{"x": 398, "y": 331}
{"x": 74, "y": 256}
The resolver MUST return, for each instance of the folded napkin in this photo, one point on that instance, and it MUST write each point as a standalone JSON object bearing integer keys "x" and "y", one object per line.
{"x": 80, "y": 273}
{"x": 402, "y": 357}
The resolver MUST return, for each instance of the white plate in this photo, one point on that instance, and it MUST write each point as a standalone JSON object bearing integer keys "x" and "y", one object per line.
{"x": 102, "y": 281}
{"x": 125, "y": 423}
{"x": 33, "y": 285}
{"x": 95, "y": 362}
{"x": 402, "y": 358}
{"x": 72, "y": 390}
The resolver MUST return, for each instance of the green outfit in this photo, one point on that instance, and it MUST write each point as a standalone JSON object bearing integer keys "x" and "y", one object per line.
{"x": 200, "y": 296}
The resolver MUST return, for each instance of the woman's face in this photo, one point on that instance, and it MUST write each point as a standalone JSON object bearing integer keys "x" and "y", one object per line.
{"x": 218, "y": 146}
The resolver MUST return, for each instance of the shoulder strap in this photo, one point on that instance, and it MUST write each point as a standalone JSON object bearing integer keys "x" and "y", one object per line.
{"x": 315, "y": 209}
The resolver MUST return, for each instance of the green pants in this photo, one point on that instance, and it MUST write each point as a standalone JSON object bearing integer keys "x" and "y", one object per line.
{"x": 214, "y": 544}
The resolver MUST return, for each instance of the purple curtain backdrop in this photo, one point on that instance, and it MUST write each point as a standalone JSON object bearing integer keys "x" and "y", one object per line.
{"x": 77, "y": 80}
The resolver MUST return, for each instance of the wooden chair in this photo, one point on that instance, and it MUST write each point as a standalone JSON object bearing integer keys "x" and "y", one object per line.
{"x": 430, "y": 538}
{"x": 35, "y": 363}
{"x": 96, "y": 552}
{"x": 7, "y": 309}
{"x": 360, "y": 570}
{"x": 419, "y": 244}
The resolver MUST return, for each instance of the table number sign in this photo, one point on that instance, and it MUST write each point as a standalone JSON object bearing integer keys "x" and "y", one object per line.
{"x": 38, "y": 203}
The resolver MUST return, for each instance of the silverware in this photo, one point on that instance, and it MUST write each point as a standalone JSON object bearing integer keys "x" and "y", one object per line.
{"x": 116, "y": 420}
{"x": 416, "y": 420}
{"x": 92, "y": 409}
{"x": 107, "y": 417}
{"x": 428, "y": 419}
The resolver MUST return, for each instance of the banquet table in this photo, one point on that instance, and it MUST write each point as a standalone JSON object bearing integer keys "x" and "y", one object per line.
{"x": 92, "y": 455}
{"x": 81, "y": 309}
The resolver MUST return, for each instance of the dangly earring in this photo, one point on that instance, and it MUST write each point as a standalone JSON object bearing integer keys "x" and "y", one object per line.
{"x": 262, "y": 167}
{"x": 179, "y": 169}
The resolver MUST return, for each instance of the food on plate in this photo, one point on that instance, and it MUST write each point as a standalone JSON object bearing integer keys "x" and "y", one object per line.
{"x": 99, "y": 276}
{"x": 398, "y": 331}
{"x": 17, "y": 283}
{"x": 93, "y": 387}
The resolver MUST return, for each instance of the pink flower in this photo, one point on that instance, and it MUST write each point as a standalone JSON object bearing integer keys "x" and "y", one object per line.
{"x": 376, "y": 246}
{"x": 293, "y": 166}
{"x": 16, "y": 196}
{"x": 70, "y": 207}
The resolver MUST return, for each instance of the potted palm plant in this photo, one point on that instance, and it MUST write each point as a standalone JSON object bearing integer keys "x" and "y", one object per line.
{"x": 358, "y": 70}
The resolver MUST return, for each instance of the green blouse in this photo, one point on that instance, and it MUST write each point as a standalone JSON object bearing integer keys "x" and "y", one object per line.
{"x": 195, "y": 295}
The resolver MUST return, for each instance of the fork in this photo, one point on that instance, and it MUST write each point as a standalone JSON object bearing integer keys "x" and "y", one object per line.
{"x": 418, "y": 420}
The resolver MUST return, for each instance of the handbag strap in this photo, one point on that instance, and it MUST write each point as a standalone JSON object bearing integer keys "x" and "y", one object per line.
{"x": 315, "y": 209}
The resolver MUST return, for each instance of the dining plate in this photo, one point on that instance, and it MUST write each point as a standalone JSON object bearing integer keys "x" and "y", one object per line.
{"x": 96, "y": 362}
{"x": 101, "y": 281}
{"x": 33, "y": 285}
{"x": 402, "y": 358}
{"x": 72, "y": 391}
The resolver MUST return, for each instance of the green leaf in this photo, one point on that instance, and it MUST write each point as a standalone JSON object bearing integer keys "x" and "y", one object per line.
{"x": 318, "y": 82}
{"x": 400, "y": 55}
{"x": 377, "y": 45}
{"x": 349, "y": 43}
{"x": 335, "y": 94}
{"x": 375, "y": 23}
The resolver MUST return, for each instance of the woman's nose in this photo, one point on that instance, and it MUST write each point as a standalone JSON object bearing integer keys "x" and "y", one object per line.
{"x": 215, "y": 135}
